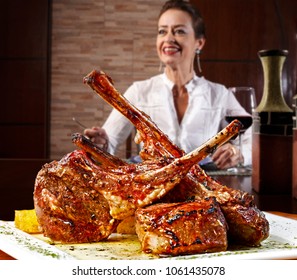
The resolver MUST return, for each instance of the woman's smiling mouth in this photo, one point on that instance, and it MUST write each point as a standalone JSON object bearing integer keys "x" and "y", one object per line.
{"x": 170, "y": 50}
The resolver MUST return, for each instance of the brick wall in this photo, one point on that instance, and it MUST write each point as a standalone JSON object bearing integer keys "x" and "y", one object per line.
{"x": 115, "y": 36}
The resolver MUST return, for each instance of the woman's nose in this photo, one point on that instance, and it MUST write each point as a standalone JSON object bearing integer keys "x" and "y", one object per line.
{"x": 170, "y": 37}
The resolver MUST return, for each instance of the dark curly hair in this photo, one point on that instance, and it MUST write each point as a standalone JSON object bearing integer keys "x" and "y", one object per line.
{"x": 197, "y": 20}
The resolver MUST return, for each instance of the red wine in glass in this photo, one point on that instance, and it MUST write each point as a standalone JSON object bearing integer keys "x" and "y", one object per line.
{"x": 246, "y": 98}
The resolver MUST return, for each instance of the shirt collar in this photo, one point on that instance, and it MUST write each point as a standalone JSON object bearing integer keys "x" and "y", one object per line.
{"x": 190, "y": 86}
{"x": 193, "y": 83}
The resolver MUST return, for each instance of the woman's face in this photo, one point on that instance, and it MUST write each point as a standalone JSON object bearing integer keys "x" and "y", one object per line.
{"x": 176, "y": 42}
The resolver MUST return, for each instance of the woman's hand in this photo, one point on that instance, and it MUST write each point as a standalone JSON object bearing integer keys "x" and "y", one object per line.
{"x": 97, "y": 135}
{"x": 227, "y": 156}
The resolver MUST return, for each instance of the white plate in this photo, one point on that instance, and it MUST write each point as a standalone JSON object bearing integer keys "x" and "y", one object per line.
{"x": 281, "y": 244}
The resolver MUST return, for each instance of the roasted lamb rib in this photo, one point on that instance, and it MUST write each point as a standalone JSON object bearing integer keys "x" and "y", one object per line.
{"x": 247, "y": 224}
{"x": 68, "y": 208}
{"x": 82, "y": 197}
{"x": 182, "y": 228}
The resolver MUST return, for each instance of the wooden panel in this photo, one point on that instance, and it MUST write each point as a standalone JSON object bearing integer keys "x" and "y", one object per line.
{"x": 23, "y": 91}
{"x": 24, "y": 116}
{"x": 287, "y": 10}
{"x": 24, "y": 28}
{"x": 24, "y": 78}
{"x": 227, "y": 73}
{"x": 237, "y": 30}
{"x": 17, "y": 179}
{"x": 22, "y": 141}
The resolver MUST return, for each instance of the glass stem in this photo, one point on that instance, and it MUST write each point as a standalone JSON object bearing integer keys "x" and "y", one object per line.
{"x": 240, "y": 163}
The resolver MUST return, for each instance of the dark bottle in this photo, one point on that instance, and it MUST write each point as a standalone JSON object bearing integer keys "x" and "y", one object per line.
{"x": 272, "y": 131}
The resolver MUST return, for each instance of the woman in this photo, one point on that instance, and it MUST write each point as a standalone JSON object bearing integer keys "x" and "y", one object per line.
{"x": 187, "y": 108}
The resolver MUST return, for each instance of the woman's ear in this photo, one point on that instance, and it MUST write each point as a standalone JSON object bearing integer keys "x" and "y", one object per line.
{"x": 200, "y": 43}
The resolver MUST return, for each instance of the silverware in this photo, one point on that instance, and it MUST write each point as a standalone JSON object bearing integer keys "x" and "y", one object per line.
{"x": 78, "y": 122}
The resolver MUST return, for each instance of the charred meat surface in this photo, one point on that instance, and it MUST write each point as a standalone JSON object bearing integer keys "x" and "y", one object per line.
{"x": 182, "y": 228}
{"x": 241, "y": 230}
{"x": 67, "y": 206}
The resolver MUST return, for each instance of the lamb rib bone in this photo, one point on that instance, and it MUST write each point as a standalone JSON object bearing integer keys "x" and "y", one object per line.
{"x": 148, "y": 132}
{"x": 157, "y": 182}
{"x": 156, "y": 143}
{"x": 97, "y": 154}
{"x": 110, "y": 161}
{"x": 188, "y": 160}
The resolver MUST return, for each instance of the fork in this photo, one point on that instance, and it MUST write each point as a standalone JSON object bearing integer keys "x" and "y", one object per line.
{"x": 78, "y": 122}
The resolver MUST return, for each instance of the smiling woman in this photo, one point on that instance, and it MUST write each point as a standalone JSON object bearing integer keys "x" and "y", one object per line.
{"x": 188, "y": 108}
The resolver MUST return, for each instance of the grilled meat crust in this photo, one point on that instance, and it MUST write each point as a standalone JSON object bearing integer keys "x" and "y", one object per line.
{"x": 182, "y": 228}
{"x": 241, "y": 230}
{"x": 68, "y": 208}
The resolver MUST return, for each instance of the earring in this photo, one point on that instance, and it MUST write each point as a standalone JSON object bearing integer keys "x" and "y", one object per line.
{"x": 198, "y": 59}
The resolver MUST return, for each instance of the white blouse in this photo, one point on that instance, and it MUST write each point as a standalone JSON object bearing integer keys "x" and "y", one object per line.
{"x": 208, "y": 105}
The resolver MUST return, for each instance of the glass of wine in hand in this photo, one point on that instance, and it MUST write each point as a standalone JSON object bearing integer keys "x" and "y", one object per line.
{"x": 247, "y": 99}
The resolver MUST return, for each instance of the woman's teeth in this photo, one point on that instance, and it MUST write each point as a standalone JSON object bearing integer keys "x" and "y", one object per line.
{"x": 170, "y": 50}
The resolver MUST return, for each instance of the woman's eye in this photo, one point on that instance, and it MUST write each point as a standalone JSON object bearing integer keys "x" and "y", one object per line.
{"x": 161, "y": 31}
{"x": 180, "y": 31}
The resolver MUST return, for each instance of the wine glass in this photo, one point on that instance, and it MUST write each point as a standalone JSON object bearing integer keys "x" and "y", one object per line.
{"x": 247, "y": 99}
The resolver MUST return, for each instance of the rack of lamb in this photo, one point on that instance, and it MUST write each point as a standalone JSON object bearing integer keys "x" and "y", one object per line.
{"x": 84, "y": 196}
